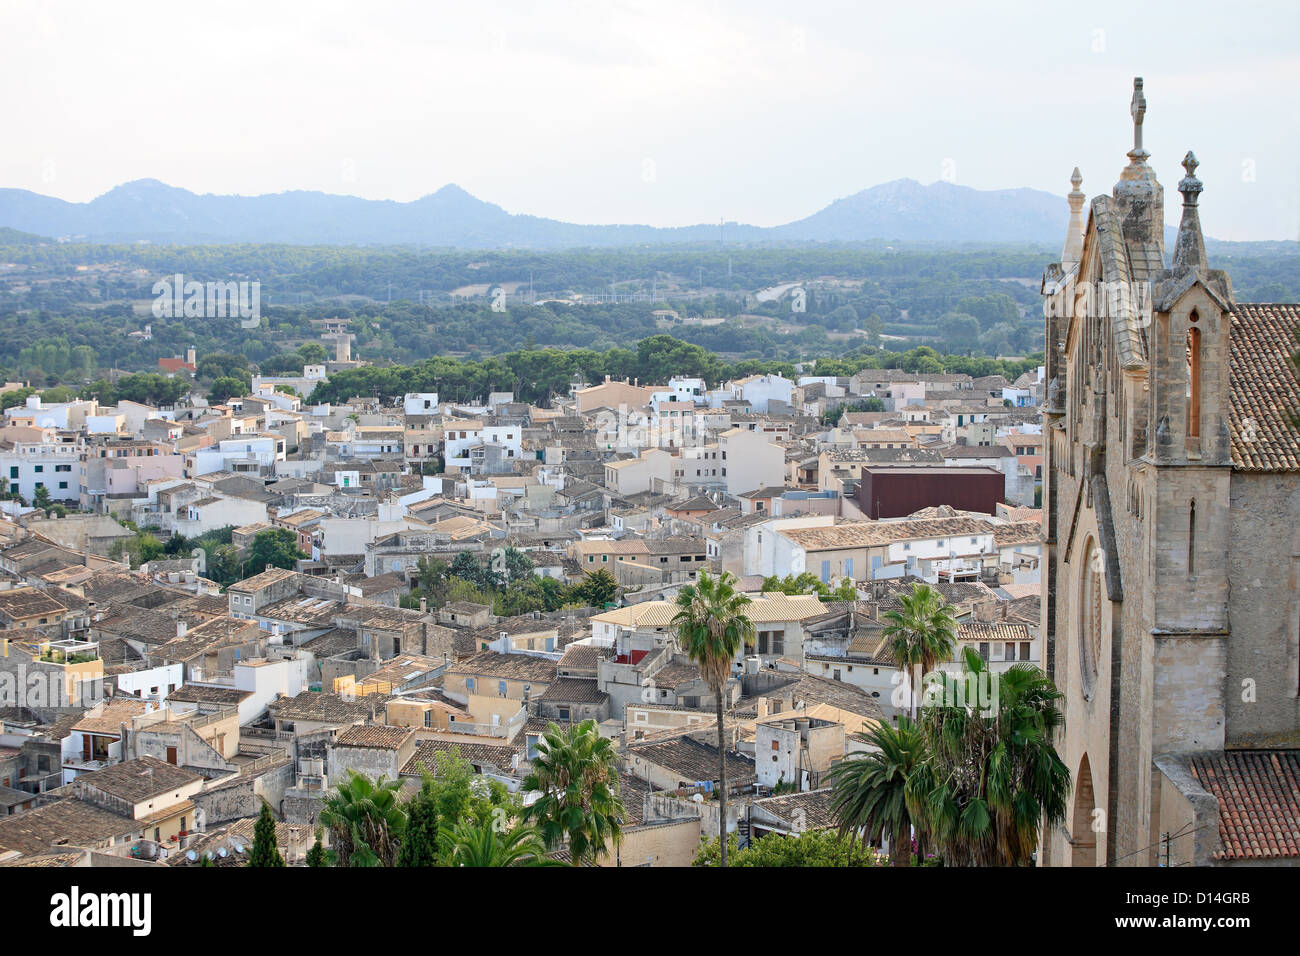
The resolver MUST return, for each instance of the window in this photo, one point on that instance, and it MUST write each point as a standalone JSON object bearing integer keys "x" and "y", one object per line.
{"x": 1024, "y": 650}
{"x": 1194, "y": 380}
{"x": 469, "y": 684}
{"x": 501, "y": 688}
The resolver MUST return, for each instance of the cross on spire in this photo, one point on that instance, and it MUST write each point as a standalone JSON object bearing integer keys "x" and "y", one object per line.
{"x": 1138, "y": 109}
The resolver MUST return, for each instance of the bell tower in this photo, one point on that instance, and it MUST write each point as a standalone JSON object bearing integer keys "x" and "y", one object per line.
{"x": 1187, "y": 557}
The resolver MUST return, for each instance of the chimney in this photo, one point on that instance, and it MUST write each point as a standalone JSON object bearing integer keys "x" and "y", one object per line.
{"x": 424, "y": 605}
{"x": 181, "y": 628}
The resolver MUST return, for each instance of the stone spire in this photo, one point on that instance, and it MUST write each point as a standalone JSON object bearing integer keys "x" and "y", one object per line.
{"x": 1139, "y": 197}
{"x": 1074, "y": 232}
{"x": 1137, "y": 168}
{"x": 1138, "y": 110}
{"x": 1189, "y": 248}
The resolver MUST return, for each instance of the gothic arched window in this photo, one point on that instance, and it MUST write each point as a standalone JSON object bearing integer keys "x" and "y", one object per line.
{"x": 1194, "y": 380}
{"x": 1089, "y": 615}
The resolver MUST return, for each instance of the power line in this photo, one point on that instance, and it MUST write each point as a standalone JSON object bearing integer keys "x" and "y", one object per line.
{"x": 1165, "y": 841}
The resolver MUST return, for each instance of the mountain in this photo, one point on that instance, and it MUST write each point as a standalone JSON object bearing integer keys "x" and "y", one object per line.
{"x": 149, "y": 210}
{"x": 908, "y": 211}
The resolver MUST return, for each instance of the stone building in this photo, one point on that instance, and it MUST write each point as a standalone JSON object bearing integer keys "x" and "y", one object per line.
{"x": 1171, "y": 598}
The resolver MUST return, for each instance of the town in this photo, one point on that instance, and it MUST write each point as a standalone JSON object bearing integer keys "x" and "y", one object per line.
{"x": 727, "y": 498}
{"x": 530, "y": 579}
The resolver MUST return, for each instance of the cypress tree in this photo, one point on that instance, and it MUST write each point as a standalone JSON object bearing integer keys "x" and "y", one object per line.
{"x": 264, "y": 851}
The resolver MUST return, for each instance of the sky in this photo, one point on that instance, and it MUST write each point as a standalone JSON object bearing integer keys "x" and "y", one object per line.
{"x": 658, "y": 112}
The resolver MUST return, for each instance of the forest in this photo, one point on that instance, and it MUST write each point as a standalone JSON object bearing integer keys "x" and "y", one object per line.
{"x": 76, "y": 315}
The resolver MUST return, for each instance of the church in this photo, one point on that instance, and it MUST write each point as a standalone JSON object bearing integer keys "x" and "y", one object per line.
{"x": 1171, "y": 520}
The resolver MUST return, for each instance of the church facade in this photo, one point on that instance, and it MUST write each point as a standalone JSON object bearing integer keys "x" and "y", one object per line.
{"x": 1171, "y": 512}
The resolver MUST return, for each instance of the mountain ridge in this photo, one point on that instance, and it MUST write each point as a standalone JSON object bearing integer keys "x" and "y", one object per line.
{"x": 902, "y": 210}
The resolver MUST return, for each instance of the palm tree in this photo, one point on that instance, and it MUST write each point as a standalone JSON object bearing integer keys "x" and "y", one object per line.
{"x": 712, "y": 627}
{"x": 991, "y": 776}
{"x": 921, "y": 634}
{"x": 471, "y": 844}
{"x": 869, "y": 795}
{"x": 366, "y": 821}
{"x": 576, "y": 772}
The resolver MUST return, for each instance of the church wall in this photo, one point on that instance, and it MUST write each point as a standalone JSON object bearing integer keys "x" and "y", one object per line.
{"x": 1130, "y": 492}
{"x": 1264, "y": 569}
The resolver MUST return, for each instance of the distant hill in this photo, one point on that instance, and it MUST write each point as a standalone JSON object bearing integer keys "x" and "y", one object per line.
{"x": 149, "y": 210}
{"x": 12, "y": 237}
{"x": 906, "y": 210}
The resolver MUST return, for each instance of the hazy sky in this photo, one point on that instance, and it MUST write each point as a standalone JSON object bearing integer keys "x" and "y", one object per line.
{"x": 652, "y": 112}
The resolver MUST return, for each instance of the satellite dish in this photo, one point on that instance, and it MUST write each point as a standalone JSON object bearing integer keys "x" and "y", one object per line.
{"x": 191, "y": 856}
{"x": 239, "y": 848}
{"x": 222, "y": 852}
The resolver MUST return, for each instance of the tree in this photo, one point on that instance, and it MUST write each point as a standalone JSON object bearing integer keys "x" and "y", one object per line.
{"x": 277, "y": 547}
{"x": 226, "y": 388}
{"x": 576, "y": 772}
{"x": 486, "y": 844}
{"x": 467, "y": 567}
{"x": 41, "y": 499}
{"x": 869, "y": 793}
{"x": 712, "y": 626}
{"x": 366, "y": 821}
{"x": 960, "y": 332}
{"x": 596, "y": 589}
{"x": 921, "y": 634}
{"x": 311, "y": 353}
{"x": 518, "y": 566}
{"x": 991, "y": 777}
{"x": 316, "y": 855}
{"x": 420, "y": 839}
{"x": 451, "y": 794}
{"x": 817, "y": 848}
{"x": 265, "y": 852}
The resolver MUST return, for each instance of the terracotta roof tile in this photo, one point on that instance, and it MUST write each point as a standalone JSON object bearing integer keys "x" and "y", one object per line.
{"x": 1259, "y": 801}
{"x": 1265, "y": 389}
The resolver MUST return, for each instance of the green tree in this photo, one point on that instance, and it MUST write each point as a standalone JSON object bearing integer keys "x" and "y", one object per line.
{"x": 316, "y": 855}
{"x": 41, "y": 499}
{"x": 420, "y": 838}
{"x": 921, "y": 634}
{"x": 869, "y": 792}
{"x": 712, "y": 627}
{"x": 366, "y": 821}
{"x": 226, "y": 388}
{"x": 265, "y": 851}
{"x": 596, "y": 589}
{"x": 277, "y": 547}
{"x": 486, "y": 844}
{"x": 576, "y": 772}
{"x": 822, "y": 848}
{"x": 991, "y": 777}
